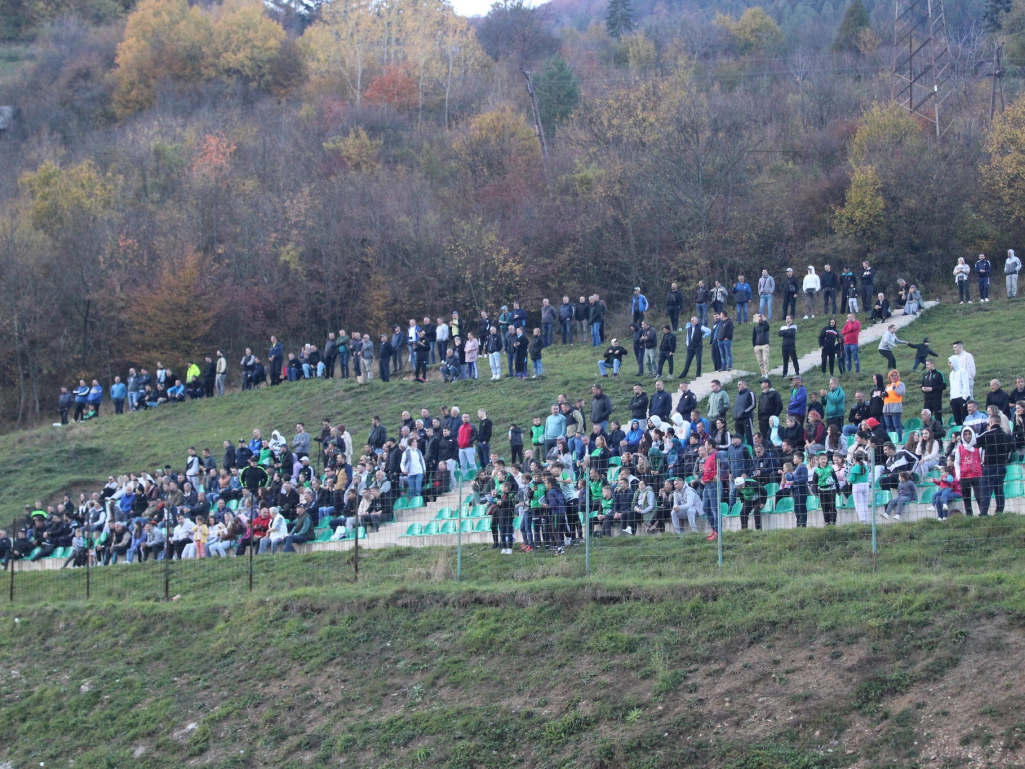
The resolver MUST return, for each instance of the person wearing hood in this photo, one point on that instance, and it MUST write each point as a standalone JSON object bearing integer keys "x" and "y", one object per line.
{"x": 810, "y": 287}
{"x": 1012, "y": 266}
{"x": 968, "y": 469}
{"x": 960, "y": 389}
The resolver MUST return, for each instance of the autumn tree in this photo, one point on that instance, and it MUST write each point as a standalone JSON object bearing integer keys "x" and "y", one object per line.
{"x": 246, "y": 44}
{"x": 175, "y": 316}
{"x": 1004, "y": 172}
{"x": 755, "y": 30}
{"x": 853, "y": 29}
{"x": 619, "y": 18}
{"x": 165, "y": 40}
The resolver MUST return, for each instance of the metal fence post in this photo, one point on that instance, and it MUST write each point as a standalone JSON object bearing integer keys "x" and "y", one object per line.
{"x": 355, "y": 553}
{"x": 11, "y": 563}
{"x": 875, "y": 545}
{"x": 167, "y": 556}
{"x": 459, "y": 524}
{"x": 88, "y": 573}
{"x": 718, "y": 509}
{"x": 587, "y": 528}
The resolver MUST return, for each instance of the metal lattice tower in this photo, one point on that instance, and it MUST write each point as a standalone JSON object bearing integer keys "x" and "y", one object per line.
{"x": 921, "y": 59}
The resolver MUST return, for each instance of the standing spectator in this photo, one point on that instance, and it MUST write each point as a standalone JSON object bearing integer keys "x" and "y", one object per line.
{"x": 248, "y": 363}
{"x": 983, "y": 271}
{"x": 997, "y": 450}
{"x": 933, "y": 386}
{"x": 209, "y": 376}
{"x": 790, "y": 291}
{"x": 836, "y": 404}
{"x": 702, "y": 297}
{"x": 769, "y": 405}
{"x": 118, "y": 390}
{"x": 221, "y": 377}
{"x": 384, "y": 360}
{"x": 719, "y": 294}
{"x": 581, "y": 318}
{"x": 64, "y": 404}
{"x": 798, "y": 479}
{"x": 421, "y": 357}
{"x": 674, "y": 306}
{"x": 788, "y": 348}
{"x": 566, "y": 313}
{"x": 548, "y": 316}
{"x": 850, "y": 333}
{"x": 638, "y": 403}
{"x": 95, "y": 398}
{"x": 596, "y": 317}
{"x": 366, "y": 354}
{"x": 960, "y": 390}
{"x": 330, "y": 355}
{"x": 601, "y": 407}
{"x": 1012, "y": 266}
{"x": 830, "y": 347}
{"x": 666, "y": 349}
{"x": 893, "y": 404}
{"x": 998, "y": 397}
{"x": 637, "y": 334}
{"x": 710, "y": 488}
{"x": 961, "y": 273}
{"x": 519, "y": 347}
{"x": 718, "y": 402}
{"x": 414, "y": 467}
{"x": 484, "y": 432}
{"x": 466, "y": 441}
{"x": 867, "y": 285}
{"x": 725, "y": 341}
{"x": 441, "y": 336}
{"x": 471, "y": 349}
{"x": 810, "y": 288}
{"x": 661, "y": 403}
{"x": 536, "y": 346}
{"x": 766, "y": 289}
{"x": 743, "y": 413}
{"x": 519, "y": 317}
{"x": 968, "y": 469}
{"x": 741, "y": 296}
{"x": 638, "y": 305}
{"x": 849, "y": 281}
{"x": 555, "y": 428}
{"x": 493, "y": 347}
{"x": 694, "y": 338}
{"x": 829, "y": 285}
{"x": 649, "y": 343}
{"x": 275, "y": 357}
{"x": 760, "y": 343}
{"x": 922, "y": 353}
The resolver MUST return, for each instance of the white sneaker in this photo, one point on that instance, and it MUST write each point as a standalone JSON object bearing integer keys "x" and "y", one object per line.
{"x": 885, "y": 515}
{"x": 896, "y": 517}
{"x": 805, "y": 317}
{"x": 628, "y": 530}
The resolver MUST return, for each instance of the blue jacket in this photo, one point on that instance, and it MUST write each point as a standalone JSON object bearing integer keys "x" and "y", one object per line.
{"x": 519, "y": 318}
{"x": 81, "y": 393}
{"x": 639, "y": 303}
{"x": 118, "y": 390}
{"x": 798, "y": 401}
{"x": 742, "y": 292}
{"x": 95, "y": 393}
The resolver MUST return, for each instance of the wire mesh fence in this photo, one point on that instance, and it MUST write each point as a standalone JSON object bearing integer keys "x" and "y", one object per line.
{"x": 452, "y": 534}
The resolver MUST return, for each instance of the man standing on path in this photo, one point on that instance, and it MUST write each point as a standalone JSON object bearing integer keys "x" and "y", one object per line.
{"x": 766, "y": 289}
{"x": 548, "y": 316}
{"x": 850, "y": 332}
{"x": 694, "y": 337}
{"x": 674, "y": 305}
{"x": 725, "y": 341}
{"x": 275, "y": 357}
{"x": 702, "y": 296}
{"x": 649, "y": 341}
{"x": 867, "y": 286}
{"x": 566, "y": 313}
{"x": 810, "y": 287}
{"x": 788, "y": 332}
{"x": 760, "y": 342}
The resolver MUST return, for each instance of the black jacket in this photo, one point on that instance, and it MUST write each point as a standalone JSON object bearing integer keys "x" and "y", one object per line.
{"x": 760, "y": 333}
{"x": 770, "y": 404}
{"x": 378, "y": 435}
{"x": 661, "y": 405}
{"x": 668, "y": 344}
{"x": 687, "y": 403}
{"x": 639, "y": 406}
{"x": 484, "y": 431}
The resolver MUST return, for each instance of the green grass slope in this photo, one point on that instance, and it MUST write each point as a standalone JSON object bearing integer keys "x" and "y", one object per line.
{"x": 45, "y": 461}
{"x": 796, "y": 656}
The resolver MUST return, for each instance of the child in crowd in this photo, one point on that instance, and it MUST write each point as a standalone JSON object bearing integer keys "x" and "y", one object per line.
{"x": 905, "y": 496}
{"x": 515, "y": 444}
{"x": 825, "y": 484}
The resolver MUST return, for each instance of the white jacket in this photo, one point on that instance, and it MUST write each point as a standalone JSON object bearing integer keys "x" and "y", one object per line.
{"x": 811, "y": 281}
{"x": 960, "y": 382}
{"x": 961, "y": 272}
{"x": 413, "y": 462}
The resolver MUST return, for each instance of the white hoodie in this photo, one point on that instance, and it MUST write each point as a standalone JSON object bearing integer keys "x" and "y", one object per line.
{"x": 960, "y": 382}
{"x": 811, "y": 281}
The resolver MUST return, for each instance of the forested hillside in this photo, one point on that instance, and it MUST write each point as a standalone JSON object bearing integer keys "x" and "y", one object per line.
{"x": 178, "y": 176}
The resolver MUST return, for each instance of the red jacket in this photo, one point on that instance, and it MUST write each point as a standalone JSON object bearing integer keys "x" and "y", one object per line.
{"x": 466, "y": 435}
{"x": 850, "y": 332}
{"x": 708, "y": 472}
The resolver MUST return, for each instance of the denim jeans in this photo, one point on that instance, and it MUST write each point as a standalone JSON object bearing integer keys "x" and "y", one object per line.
{"x": 596, "y": 335}
{"x": 567, "y": 331}
{"x": 547, "y": 334}
{"x": 726, "y": 353}
{"x": 416, "y": 483}
{"x": 495, "y": 363}
{"x": 467, "y": 458}
{"x": 701, "y": 310}
{"x": 471, "y": 369}
{"x": 850, "y": 352}
{"x": 894, "y": 425}
{"x": 741, "y": 312}
{"x": 538, "y": 368}
{"x": 604, "y": 368}
{"x": 983, "y": 288}
{"x": 710, "y": 504}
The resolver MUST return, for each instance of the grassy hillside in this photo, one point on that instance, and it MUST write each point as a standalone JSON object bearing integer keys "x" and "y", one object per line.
{"x": 803, "y": 659}
{"x": 45, "y": 461}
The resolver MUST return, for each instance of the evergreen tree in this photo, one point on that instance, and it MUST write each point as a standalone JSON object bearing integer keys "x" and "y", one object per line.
{"x": 557, "y": 94}
{"x": 619, "y": 19}
{"x": 992, "y": 15}
{"x": 855, "y": 19}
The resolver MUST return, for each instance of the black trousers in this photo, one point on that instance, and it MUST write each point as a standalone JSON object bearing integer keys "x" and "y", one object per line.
{"x": 789, "y": 305}
{"x": 693, "y": 353}
{"x": 790, "y": 354}
{"x": 959, "y": 408}
{"x": 662, "y": 358}
{"x": 890, "y": 360}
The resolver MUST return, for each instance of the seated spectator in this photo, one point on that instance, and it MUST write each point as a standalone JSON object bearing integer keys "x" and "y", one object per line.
{"x": 176, "y": 392}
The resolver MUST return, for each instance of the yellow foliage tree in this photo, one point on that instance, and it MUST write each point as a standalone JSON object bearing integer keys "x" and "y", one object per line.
{"x": 64, "y": 201}
{"x": 247, "y": 44}
{"x": 885, "y": 131}
{"x": 862, "y": 217}
{"x": 496, "y": 141}
{"x": 164, "y": 40}
{"x": 358, "y": 150}
{"x": 1004, "y": 172}
{"x": 755, "y": 30}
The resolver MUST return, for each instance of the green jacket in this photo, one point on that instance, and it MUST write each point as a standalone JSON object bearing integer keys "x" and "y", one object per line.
{"x": 835, "y": 403}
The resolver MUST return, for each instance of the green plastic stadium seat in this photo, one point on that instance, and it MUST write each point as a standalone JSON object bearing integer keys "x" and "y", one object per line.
{"x": 323, "y": 535}
{"x": 881, "y": 498}
{"x": 445, "y": 513}
{"x": 1014, "y": 473}
{"x": 232, "y": 504}
{"x": 517, "y": 521}
{"x": 482, "y": 524}
{"x": 813, "y": 503}
{"x": 431, "y": 527}
{"x": 447, "y": 527}
{"x": 1014, "y": 489}
{"x": 771, "y": 489}
{"x": 913, "y": 424}
{"x": 927, "y": 493}
{"x": 844, "y": 503}
{"x": 767, "y": 507}
{"x": 616, "y": 461}
{"x": 466, "y": 526}
{"x": 784, "y": 505}
{"x": 414, "y": 502}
